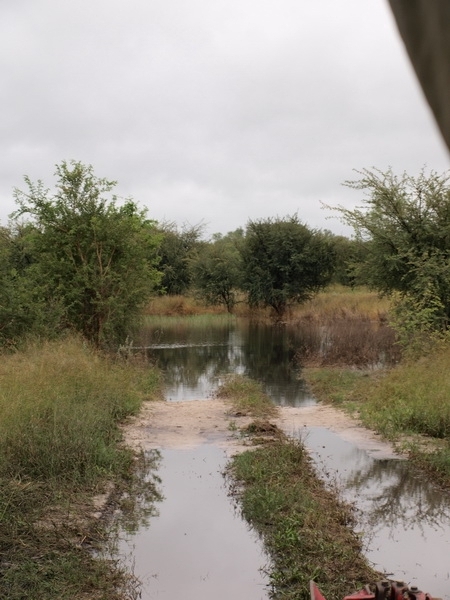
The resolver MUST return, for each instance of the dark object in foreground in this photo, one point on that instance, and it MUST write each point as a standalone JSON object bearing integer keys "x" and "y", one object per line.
{"x": 381, "y": 590}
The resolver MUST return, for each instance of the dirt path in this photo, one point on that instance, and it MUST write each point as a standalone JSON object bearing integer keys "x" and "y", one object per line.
{"x": 188, "y": 424}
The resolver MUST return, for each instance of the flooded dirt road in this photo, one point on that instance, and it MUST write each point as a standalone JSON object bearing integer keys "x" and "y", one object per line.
{"x": 198, "y": 545}
{"x": 404, "y": 520}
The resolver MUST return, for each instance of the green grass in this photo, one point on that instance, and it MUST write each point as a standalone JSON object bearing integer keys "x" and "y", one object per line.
{"x": 335, "y": 385}
{"x": 413, "y": 398}
{"x": 408, "y": 404}
{"x": 304, "y": 527}
{"x": 246, "y": 397}
{"x": 60, "y": 408}
{"x": 188, "y": 322}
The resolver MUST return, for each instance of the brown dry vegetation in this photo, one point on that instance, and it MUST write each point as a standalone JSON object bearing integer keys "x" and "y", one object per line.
{"x": 340, "y": 302}
{"x": 336, "y": 302}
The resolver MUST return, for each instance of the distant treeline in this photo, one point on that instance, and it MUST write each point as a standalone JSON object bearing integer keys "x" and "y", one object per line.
{"x": 78, "y": 259}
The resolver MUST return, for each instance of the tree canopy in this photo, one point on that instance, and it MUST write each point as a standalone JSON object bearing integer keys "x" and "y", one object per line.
{"x": 93, "y": 258}
{"x": 405, "y": 221}
{"x": 177, "y": 248}
{"x": 285, "y": 262}
{"x": 217, "y": 270}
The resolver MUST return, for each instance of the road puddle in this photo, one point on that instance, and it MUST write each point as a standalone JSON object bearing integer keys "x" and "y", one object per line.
{"x": 404, "y": 520}
{"x": 197, "y": 546}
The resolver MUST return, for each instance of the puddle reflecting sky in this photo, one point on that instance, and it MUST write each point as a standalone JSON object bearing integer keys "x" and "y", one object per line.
{"x": 405, "y": 520}
{"x": 197, "y": 547}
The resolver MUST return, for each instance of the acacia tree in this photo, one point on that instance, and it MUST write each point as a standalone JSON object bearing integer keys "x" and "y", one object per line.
{"x": 217, "y": 271}
{"x": 92, "y": 257}
{"x": 177, "y": 248}
{"x": 285, "y": 262}
{"x": 22, "y": 308}
{"x": 405, "y": 222}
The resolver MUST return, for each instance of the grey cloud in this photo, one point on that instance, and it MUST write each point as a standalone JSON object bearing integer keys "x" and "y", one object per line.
{"x": 216, "y": 111}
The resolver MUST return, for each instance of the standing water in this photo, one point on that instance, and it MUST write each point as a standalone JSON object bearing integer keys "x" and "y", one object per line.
{"x": 198, "y": 546}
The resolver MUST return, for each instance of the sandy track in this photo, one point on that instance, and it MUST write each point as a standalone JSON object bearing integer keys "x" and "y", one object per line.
{"x": 188, "y": 424}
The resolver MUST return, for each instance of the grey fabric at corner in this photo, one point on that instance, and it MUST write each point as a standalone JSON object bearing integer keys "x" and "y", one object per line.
{"x": 425, "y": 28}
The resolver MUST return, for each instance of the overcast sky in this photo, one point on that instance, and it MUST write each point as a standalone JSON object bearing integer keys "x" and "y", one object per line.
{"x": 213, "y": 111}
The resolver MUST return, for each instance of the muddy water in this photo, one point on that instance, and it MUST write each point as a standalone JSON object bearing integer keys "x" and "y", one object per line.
{"x": 404, "y": 521}
{"x": 197, "y": 547}
{"x": 195, "y": 358}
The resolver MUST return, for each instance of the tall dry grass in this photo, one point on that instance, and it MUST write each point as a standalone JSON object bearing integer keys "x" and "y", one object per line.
{"x": 60, "y": 403}
{"x": 343, "y": 326}
{"x": 352, "y": 341}
{"x": 336, "y": 301}
{"x": 341, "y": 302}
{"x": 180, "y": 306}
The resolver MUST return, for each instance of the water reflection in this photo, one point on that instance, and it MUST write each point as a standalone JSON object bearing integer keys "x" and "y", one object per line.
{"x": 139, "y": 503}
{"x": 404, "y": 519}
{"x": 198, "y": 546}
{"x": 397, "y": 496}
{"x": 194, "y": 360}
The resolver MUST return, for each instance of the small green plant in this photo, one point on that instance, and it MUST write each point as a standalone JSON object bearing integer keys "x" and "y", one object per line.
{"x": 303, "y": 525}
{"x": 247, "y": 397}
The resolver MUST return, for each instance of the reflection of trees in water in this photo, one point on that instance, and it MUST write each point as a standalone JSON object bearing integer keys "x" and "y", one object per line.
{"x": 187, "y": 354}
{"x": 394, "y": 497}
{"x": 138, "y": 502}
{"x": 187, "y": 365}
{"x": 191, "y": 356}
{"x": 269, "y": 353}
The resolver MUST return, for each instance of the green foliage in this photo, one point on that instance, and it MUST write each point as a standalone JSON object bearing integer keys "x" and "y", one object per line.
{"x": 176, "y": 250}
{"x": 406, "y": 223}
{"x": 350, "y": 257}
{"x": 91, "y": 259}
{"x": 417, "y": 321}
{"x": 285, "y": 262}
{"x": 217, "y": 272}
{"x": 302, "y": 524}
{"x": 23, "y": 309}
{"x": 59, "y": 407}
{"x": 247, "y": 397}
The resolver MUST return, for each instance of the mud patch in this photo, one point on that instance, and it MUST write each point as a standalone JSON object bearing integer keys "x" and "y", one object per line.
{"x": 295, "y": 421}
{"x": 191, "y": 423}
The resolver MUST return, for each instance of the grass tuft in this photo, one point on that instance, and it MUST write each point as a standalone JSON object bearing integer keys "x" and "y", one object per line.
{"x": 303, "y": 526}
{"x": 247, "y": 397}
